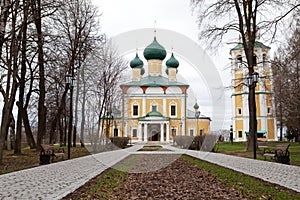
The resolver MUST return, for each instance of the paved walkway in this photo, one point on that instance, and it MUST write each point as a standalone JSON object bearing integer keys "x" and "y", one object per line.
{"x": 57, "y": 180}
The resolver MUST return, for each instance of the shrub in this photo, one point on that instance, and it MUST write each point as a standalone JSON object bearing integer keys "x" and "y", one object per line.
{"x": 189, "y": 142}
{"x": 120, "y": 142}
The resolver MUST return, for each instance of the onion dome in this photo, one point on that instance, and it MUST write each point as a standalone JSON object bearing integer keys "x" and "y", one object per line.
{"x": 172, "y": 62}
{"x": 196, "y": 107}
{"x": 136, "y": 62}
{"x": 155, "y": 51}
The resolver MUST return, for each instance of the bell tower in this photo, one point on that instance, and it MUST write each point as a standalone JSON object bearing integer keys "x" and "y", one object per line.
{"x": 265, "y": 109}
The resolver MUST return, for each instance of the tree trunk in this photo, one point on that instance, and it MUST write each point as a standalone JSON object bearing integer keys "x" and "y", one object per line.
{"x": 83, "y": 108}
{"x": 36, "y": 9}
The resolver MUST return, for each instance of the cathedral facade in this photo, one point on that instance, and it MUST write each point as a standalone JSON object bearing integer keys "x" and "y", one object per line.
{"x": 154, "y": 103}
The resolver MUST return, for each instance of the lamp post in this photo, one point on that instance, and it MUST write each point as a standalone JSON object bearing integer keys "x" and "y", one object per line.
{"x": 197, "y": 115}
{"x": 180, "y": 123}
{"x": 252, "y": 80}
{"x": 70, "y": 82}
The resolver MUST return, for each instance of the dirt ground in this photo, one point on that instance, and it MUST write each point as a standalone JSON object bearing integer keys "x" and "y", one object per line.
{"x": 173, "y": 179}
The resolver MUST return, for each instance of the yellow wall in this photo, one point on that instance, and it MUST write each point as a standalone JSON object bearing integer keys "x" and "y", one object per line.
{"x": 159, "y": 103}
{"x": 271, "y": 134}
{"x": 238, "y": 104}
{"x": 257, "y": 100}
{"x": 131, "y": 102}
{"x": 178, "y": 107}
{"x": 239, "y": 127}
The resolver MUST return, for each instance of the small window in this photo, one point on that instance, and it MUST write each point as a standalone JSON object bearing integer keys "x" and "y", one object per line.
{"x": 201, "y": 132}
{"x": 134, "y": 132}
{"x": 240, "y": 134}
{"x": 135, "y": 110}
{"x": 264, "y": 59}
{"x": 239, "y": 111}
{"x": 269, "y": 110}
{"x": 173, "y": 110}
{"x": 173, "y": 132}
{"x": 154, "y": 107}
{"x": 116, "y": 132}
{"x": 239, "y": 61}
{"x": 191, "y": 132}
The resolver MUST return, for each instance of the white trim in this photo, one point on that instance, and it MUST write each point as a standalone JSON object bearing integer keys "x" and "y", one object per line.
{"x": 135, "y": 104}
{"x": 176, "y": 109}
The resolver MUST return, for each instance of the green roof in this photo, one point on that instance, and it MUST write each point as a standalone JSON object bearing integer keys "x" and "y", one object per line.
{"x": 155, "y": 51}
{"x": 154, "y": 113}
{"x": 153, "y": 81}
{"x": 256, "y": 44}
{"x": 136, "y": 62}
{"x": 172, "y": 62}
{"x": 191, "y": 115}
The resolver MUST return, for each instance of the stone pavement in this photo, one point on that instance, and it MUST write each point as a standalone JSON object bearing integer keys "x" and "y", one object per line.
{"x": 284, "y": 175}
{"x": 56, "y": 180}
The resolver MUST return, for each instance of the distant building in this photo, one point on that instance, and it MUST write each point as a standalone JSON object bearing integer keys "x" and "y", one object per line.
{"x": 154, "y": 106}
{"x": 265, "y": 110}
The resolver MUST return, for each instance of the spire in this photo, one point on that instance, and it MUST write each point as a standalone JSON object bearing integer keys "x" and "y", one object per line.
{"x": 154, "y": 28}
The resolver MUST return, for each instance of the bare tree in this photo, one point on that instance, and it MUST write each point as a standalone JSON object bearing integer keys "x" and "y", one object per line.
{"x": 286, "y": 70}
{"x": 244, "y": 17}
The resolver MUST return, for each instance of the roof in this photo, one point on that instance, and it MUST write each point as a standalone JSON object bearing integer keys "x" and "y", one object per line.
{"x": 155, "y": 51}
{"x": 153, "y": 81}
{"x": 191, "y": 115}
{"x": 256, "y": 44}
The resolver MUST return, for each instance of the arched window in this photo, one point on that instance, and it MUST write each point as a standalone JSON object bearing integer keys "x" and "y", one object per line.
{"x": 254, "y": 60}
{"x": 135, "y": 110}
{"x": 239, "y": 61}
{"x": 264, "y": 59}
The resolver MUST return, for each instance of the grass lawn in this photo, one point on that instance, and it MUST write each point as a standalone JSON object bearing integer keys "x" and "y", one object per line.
{"x": 240, "y": 149}
{"x": 30, "y": 158}
{"x": 153, "y": 148}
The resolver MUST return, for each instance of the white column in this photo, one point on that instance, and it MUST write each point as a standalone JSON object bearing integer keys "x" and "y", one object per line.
{"x": 164, "y": 107}
{"x": 168, "y": 133}
{"x": 144, "y": 105}
{"x": 125, "y": 129}
{"x": 140, "y": 133}
{"x": 162, "y": 132}
{"x": 145, "y": 132}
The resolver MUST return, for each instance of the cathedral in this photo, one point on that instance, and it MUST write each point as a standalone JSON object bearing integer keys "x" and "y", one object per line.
{"x": 154, "y": 103}
{"x": 265, "y": 108}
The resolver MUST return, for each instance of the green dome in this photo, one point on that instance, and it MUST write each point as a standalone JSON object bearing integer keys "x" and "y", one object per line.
{"x": 136, "y": 62}
{"x": 172, "y": 62}
{"x": 155, "y": 51}
{"x": 154, "y": 113}
{"x": 196, "y": 107}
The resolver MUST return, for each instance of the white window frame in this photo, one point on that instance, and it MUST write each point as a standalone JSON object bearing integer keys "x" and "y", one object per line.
{"x": 192, "y": 129}
{"x": 176, "y": 109}
{"x": 138, "y": 109}
{"x": 136, "y": 132}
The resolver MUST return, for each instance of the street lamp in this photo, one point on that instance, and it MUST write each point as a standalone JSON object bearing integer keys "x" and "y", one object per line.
{"x": 70, "y": 83}
{"x": 197, "y": 115}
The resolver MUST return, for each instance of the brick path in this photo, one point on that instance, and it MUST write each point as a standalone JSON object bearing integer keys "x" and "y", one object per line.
{"x": 56, "y": 180}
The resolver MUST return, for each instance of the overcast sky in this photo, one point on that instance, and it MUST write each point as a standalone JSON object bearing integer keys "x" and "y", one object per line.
{"x": 119, "y": 16}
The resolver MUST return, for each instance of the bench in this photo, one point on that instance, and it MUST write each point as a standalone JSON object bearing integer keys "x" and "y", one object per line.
{"x": 280, "y": 153}
{"x": 48, "y": 151}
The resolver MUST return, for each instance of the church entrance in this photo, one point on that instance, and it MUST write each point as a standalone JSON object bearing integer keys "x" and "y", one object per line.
{"x": 154, "y": 132}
